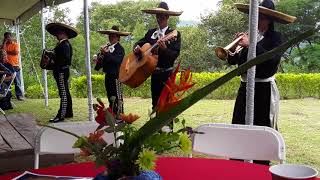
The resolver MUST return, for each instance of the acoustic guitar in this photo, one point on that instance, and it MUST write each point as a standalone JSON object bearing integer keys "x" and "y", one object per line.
{"x": 134, "y": 69}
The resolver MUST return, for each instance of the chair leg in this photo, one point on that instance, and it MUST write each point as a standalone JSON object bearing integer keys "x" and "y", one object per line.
{"x": 13, "y": 104}
{"x": 36, "y": 161}
{"x": 281, "y": 161}
{"x": 2, "y": 112}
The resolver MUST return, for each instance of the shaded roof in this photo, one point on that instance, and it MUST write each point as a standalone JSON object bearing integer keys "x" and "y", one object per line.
{"x": 10, "y": 10}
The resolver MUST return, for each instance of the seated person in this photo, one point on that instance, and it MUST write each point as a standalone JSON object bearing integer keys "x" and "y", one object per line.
{"x": 5, "y": 102}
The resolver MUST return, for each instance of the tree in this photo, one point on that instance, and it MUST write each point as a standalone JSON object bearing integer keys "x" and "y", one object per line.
{"x": 307, "y": 13}
{"x": 126, "y": 14}
{"x": 302, "y": 58}
{"x": 221, "y": 27}
{"x": 195, "y": 52}
{"x": 296, "y": 63}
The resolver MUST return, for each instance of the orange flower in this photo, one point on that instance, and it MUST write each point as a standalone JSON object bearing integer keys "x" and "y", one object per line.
{"x": 169, "y": 96}
{"x": 96, "y": 137}
{"x": 130, "y": 118}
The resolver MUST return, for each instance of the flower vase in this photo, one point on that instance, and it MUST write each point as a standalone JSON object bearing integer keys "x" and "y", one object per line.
{"x": 144, "y": 175}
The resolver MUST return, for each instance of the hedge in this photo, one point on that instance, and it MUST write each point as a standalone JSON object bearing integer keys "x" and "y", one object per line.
{"x": 291, "y": 86}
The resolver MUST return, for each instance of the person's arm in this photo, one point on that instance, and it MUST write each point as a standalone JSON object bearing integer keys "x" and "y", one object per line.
{"x": 114, "y": 58}
{"x": 172, "y": 49}
{"x": 241, "y": 56}
{"x": 238, "y": 58}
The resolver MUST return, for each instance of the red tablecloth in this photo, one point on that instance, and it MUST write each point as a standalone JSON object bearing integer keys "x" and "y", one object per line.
{"x": 173, "y": 169}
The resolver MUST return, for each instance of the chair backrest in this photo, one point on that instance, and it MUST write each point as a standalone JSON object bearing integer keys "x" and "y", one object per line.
{"x": 2, "y": 79}
{"x": 51, "y": 141}
{"x": 239, "y": 142}
{"x": 6, "y": 87}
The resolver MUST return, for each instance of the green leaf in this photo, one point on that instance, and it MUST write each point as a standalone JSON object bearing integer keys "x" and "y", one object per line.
{"x": 115, "y": 129}
{"x": 80, "y": 142}
{"x": 109, "y": 118}
{"x": 99, "y": 162}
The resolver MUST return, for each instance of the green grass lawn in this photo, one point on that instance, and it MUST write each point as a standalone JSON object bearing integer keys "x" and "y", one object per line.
{"x": 299, "y": 120}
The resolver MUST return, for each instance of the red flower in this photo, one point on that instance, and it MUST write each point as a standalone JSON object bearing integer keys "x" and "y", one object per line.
{"x": 172, "y": 92}
{"x": 100, "y": 118}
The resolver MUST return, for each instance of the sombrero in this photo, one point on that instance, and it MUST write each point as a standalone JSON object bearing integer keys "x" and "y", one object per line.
{"x": 266, "y": 8}
{"x": 54, "y": 28}
{"x": 114, "y": 30}
{"x": 162, "y": 9}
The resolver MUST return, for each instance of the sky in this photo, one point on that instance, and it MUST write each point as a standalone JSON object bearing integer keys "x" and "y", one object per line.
{"x": 192, "y": 9}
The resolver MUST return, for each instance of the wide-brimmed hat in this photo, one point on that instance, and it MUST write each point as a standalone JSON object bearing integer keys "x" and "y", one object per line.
{"x": 54, "y": 28}
{"x": 162, "y": 9}
{"x": 267, "y": 8}
{"x": 114, "y": 30}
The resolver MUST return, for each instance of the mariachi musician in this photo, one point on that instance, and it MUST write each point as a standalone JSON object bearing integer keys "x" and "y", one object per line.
{"x": 167, "y": 52}
{"x": 266, "y": 105}
{"x": 61, "y": 70}
{"x": 109, "y": 59}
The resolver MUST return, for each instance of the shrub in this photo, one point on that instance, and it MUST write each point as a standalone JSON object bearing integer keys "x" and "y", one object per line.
{"x": 291, "y": 86}
{"x": 36, "y": 92}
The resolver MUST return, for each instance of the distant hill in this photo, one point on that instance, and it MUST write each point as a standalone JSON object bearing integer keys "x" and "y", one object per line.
{"x": 187, "y": 23}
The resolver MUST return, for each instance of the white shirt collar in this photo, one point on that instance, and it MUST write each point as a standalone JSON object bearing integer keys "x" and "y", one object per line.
{"x": 159, "y": 33}
{"x": 260, "y": 36}
{"x": 63, "y": 40}
{"x": 163, "y": 31}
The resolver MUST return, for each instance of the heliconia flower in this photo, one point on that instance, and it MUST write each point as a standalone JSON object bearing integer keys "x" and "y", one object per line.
{"x": 172, "y": 92}
{"x": 185, "y": 80}
{"x": 130, "y": 118}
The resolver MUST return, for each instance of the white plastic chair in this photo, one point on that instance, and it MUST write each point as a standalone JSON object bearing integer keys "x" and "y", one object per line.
{"x": 2, "y": 79}
{"x": 239, "y": 142}
{"x": 51, "y": 141}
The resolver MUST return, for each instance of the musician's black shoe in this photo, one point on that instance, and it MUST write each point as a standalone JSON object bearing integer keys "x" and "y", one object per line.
{"x": 20, "y": 98}
{"x": 56, "y": 120}
{"x": 69, "y": 116}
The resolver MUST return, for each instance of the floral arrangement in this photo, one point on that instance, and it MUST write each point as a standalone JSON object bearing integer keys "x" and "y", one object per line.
{"x": 118, "y": 157}
{"x": 134, "y": 150}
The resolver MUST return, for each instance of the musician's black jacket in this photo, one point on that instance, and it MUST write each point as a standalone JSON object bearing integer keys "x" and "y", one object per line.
{"x": 63, "y": 54}
{"x": 271, "y": 40}
{"x": 167, "y": 56}
{"x": 112, "y": 61}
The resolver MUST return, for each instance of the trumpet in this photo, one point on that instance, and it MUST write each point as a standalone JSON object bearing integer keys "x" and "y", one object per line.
{"x": 223, "y": 52}
{"x": 99, "y": 56}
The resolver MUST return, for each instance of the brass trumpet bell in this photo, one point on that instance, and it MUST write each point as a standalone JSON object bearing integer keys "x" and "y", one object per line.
{"x": 221, "y": 53}
{"x": 224, "y": 52}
